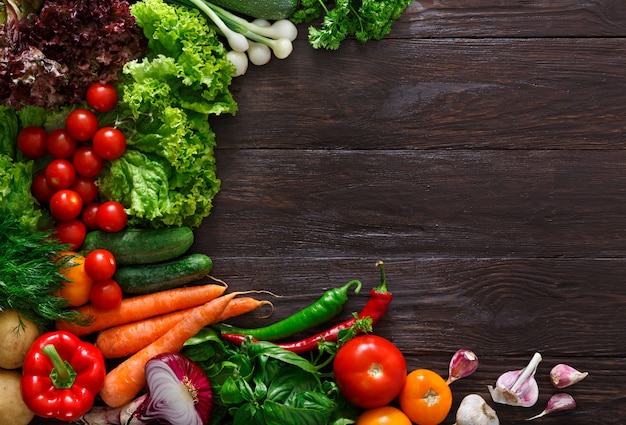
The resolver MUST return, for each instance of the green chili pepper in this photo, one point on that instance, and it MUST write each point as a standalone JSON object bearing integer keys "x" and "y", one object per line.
{"x": 324, "y": 309}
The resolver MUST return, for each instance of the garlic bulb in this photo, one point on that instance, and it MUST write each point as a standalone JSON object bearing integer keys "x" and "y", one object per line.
{"x": 474, "y": 410}
{"x": 518, "y": 387}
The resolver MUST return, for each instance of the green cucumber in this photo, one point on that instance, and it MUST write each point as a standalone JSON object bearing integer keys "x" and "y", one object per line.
{"x": 141, "y": 246}
{"x": 148, "y": 278}
{"x": 271, "y": 10}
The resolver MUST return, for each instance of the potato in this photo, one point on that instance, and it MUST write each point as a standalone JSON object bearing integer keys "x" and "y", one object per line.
{"x": 17, "y": 335}
{"x": 12, "y": 407}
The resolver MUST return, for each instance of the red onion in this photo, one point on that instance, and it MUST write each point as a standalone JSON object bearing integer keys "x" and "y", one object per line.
{"x": 178, "y": 392}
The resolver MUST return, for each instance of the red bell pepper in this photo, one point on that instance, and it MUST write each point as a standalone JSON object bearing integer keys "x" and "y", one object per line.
{"x": 61, "y": 376}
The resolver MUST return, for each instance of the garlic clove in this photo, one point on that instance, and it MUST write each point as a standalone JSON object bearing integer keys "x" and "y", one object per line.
{"x": 557, "y": 403}
{"x": 463, "y": 363}
{"x": 474, "y": 410}
{"x": 518, "y": 387}
{"x": 563, "y": 375}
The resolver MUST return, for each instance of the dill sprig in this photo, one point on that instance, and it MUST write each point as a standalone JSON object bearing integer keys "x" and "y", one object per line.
{"x": 29, "y": 274}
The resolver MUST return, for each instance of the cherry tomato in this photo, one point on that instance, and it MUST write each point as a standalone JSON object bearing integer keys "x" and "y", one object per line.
{"x": 88, "y": 216}
{"x": 100, "y": 264}
{"x": 78, "y": 286}
{"x": 71, "y": 232}
{"x": 111, "y": 216}
{"x": 86, "y": 187}
{"x": 40, "y": 188}
{"x": 106, "y": 294}
{"x": 426, "y": 397}
{"x": 32, "y": 141}
{"x": 109, "y": 143}
{"x": 65, "y": 205}
{"x": 369, "y": 370}
{"x": 87, "y": 162}
{"x": 385, "y": 415}
{"x": 60, "y": 144}
{"x": 81, "y": 124}
{"x": 60, "y": 174}
{"x": 101, "y": 97}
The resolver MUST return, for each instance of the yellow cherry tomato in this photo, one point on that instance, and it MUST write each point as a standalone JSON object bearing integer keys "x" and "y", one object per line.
{"x": 76, "y": 290}
{"x": 386, "y": 415}
{"x": 426, "y": 397}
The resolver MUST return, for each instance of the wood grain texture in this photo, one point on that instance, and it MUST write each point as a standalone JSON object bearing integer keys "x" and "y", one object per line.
{"x": 479, "y": 150}
{"x": 436, "y": 94}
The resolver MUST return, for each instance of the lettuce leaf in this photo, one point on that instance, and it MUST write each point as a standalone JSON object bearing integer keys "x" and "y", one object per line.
{"x": 168, "y": 177}
{"x": 15, "y": 175}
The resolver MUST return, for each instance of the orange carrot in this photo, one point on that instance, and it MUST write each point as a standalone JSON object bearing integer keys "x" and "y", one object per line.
{"x": 141, "y": 307}
{"x": 125, "y": 381}
{"x": 126, "y": 339}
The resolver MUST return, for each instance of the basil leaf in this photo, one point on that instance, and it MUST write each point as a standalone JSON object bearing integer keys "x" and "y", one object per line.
{"x": 276, "y": 413}
{"x": 265, "y": 348}
{"x": 247, "y": 414}
{"x": 289, "y": 383}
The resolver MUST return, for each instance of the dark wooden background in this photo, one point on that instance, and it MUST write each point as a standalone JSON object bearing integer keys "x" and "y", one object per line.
{"x": 479, "y": 150}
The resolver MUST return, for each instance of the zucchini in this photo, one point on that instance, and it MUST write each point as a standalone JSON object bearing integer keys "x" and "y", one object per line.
{"x": 271, "y": 10}
{"x": 141, "y": 246}
{"x": 148, "y": 278}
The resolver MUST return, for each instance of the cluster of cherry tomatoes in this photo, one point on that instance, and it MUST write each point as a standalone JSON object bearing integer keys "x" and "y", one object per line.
{"x": 371, "y": 373}
{"x": 90, "y": 279}
{"x": 78, "y": 154}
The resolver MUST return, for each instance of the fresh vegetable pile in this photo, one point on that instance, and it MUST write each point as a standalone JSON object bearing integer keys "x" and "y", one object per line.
{"x": 105, "y": 142}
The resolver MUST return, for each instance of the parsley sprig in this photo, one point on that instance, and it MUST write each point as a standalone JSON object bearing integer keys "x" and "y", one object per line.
{"x": 363, "y": 19}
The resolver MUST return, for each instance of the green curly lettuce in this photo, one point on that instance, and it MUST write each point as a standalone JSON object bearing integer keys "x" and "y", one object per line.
{"x": 15, "y": 175}
{"x": 168, "y": 177}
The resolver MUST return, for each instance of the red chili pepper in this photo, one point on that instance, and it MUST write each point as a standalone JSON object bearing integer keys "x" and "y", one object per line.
{"x": 61, "y": 376}
{"x": 375, "y": 309}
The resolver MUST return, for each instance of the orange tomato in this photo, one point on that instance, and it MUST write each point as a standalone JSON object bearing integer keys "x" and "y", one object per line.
{"x": 426, "y": 397}
{"x": 76, "y": 290}
{"x": 386, "y": 415}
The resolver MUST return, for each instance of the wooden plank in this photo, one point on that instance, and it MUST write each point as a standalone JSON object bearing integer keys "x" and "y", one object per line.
{"x": 514, "y": 18}
{"x": 436, "y": 94}
{"x": 497, "y": 307}
{"x": 478, "y": 203}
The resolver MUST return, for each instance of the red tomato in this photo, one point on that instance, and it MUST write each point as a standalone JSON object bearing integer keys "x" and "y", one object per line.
{"x": 100, "y": 264}
{"x": 106, "y": 294}
{"x": 111, "y": 216}
{"x": 385, "y": 415}
{"x": 370, "y": 371}
{"x": 87, "y": 162}
{"x": 89, "y": 215}
{"x": 60, "y": 174}
{"x": 32, "y": 141}
{"x": 426, "y": 397}
{"x": 65, "y": 205}
{"x": 101, "y": 97}
{"x": 40, "y": 188}
{"x": 81, "y": 124}
{"x": 60, "y": 144}
{"x": 86, "y": 187}
{"x": 71, "y": 232}
{"x": 109, "y": 143}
